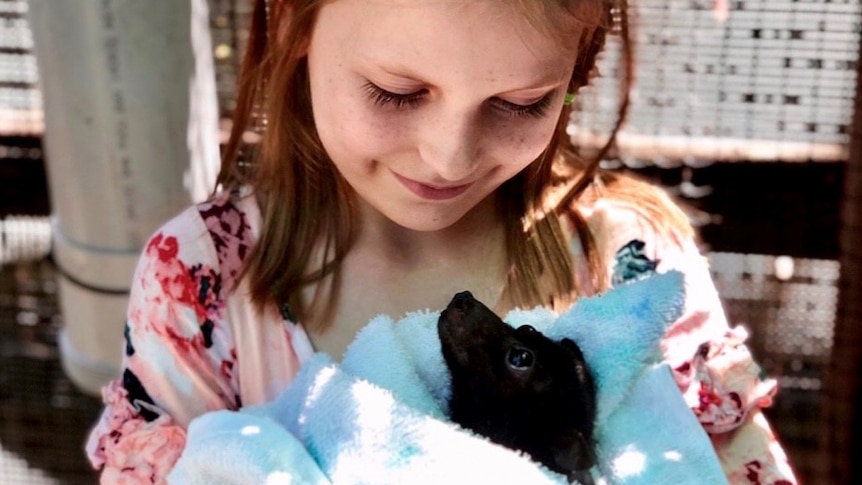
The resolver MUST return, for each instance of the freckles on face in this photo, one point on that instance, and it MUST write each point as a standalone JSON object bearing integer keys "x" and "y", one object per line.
{"x": 392, "y": 96}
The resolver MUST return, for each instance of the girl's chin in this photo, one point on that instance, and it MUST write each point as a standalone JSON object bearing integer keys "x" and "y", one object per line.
{"x": 440, "y": 219}
{"x": 430, "y": 224}
{"x": 419, "y": 219}
{"x": 427, "y": 216}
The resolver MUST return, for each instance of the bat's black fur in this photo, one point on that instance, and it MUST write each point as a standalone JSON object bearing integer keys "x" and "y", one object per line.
{"x": 519, "y": 388}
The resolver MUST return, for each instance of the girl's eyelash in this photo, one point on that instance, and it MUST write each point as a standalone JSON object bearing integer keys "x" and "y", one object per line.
{"x": 535, "y": 110}
{"x": 382, "y": 97}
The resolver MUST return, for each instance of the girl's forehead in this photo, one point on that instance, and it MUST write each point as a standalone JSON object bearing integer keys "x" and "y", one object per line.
{"x": 487, "y": 38}
{"x": 557, "y": 18}
{"x": 521, "y": 16}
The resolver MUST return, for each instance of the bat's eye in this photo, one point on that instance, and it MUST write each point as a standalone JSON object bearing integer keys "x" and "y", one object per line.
{"x": 527, "y": 329}
{"x": 519, "y": 359}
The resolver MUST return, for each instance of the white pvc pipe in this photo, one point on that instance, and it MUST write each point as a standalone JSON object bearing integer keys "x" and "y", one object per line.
{"x": 130, "y": 140}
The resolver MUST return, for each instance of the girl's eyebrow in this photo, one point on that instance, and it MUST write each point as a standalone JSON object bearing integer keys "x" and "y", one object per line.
{"x": 541, "y": 88}
{"x": 390, "y": 68}
{"x": 544, "y": 84}
{"x": 536, "y": 91}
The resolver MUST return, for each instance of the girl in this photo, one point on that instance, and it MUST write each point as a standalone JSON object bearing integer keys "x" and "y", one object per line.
{"x": 409, "y": 149}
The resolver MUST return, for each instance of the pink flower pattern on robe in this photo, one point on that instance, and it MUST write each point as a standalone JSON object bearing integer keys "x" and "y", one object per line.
{"x": 129, "y": 449}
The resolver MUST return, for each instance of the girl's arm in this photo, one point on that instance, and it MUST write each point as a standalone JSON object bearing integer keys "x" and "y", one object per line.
{"x": 178, "y": 359}
{"x": 712, "y": 366}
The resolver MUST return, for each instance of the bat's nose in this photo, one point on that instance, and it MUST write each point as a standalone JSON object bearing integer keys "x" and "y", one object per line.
{"x": 462, "y": 301}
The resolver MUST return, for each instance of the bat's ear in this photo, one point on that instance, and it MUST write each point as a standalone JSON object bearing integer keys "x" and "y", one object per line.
{"x": 576, "y": 454}
{"x": 571, "y": 345}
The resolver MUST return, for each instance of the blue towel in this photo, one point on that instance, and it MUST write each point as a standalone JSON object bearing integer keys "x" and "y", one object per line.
{"x": 380, "y": 416}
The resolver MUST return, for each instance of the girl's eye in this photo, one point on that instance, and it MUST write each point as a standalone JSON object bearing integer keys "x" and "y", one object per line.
{"x": 536, "y": 110}
{"x": 382, "y": 97}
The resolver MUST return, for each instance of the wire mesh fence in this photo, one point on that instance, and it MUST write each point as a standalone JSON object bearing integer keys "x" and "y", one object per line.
{"x": 20, "y": 99}
{"x": 744, "y": 80}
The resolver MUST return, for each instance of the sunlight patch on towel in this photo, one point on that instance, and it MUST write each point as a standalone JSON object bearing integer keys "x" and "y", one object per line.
{"x": 249, "y": 430}
{"x": 316, "y": 388}
{"x": 630, "y": 462}
{"x": 320, "y": 381}
{"x": 279, "y": 478}
{"x": 374, "y": 410}
{"x": 673, "y": 455}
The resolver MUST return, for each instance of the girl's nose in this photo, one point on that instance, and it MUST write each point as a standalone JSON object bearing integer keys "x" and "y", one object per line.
{"x": 450, "y": 145}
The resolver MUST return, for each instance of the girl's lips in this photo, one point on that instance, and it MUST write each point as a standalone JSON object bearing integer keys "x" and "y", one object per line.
{"x": 431, "y": 192}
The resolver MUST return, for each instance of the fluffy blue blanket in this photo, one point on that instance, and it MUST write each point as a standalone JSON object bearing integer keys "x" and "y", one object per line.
{"x": 380, "y": 416}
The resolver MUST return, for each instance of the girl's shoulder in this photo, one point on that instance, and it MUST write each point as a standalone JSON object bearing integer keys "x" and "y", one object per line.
{"x": 621, "y": 208}
{"x": 218, "y": 232}
{"x": 628, "y": 218}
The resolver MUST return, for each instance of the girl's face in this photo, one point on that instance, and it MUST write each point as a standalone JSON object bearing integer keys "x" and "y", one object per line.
{"x": 427, "y": 106}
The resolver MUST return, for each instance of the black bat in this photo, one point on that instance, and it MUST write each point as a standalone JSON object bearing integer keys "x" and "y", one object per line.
{"x": 519, "y": 388}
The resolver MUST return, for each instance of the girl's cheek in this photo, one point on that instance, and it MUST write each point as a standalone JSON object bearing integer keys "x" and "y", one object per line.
{"x": 523, "y": 139}
{"x": 358, "y": 125}
{"x": 382, "y": 131}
